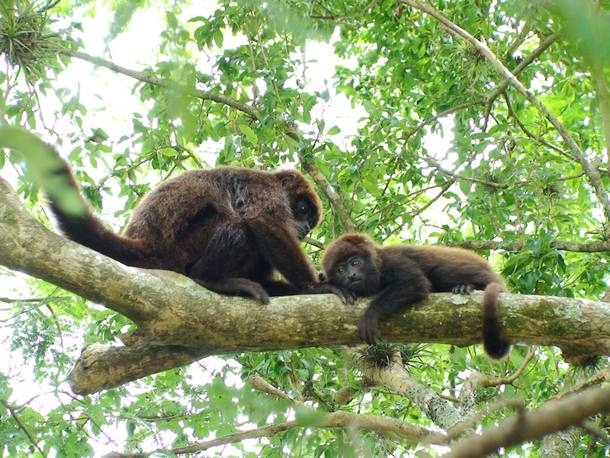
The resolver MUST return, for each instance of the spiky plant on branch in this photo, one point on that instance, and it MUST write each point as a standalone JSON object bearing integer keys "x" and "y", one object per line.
{"x": 25, "y": 41}
{"x": 384, "y": 354}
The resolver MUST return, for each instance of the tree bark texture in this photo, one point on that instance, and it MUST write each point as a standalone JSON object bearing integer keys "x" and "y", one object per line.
{"x": 171, "y": 311}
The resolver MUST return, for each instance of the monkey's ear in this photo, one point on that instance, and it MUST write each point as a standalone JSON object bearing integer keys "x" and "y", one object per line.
{"x": 286, "y": 176}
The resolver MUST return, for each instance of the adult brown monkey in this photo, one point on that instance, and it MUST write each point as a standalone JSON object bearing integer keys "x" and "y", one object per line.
{"x": 226, "y": 228}
{"x": 399, "y": 276}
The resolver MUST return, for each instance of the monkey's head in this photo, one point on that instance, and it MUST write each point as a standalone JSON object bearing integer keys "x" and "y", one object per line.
{"x": 352, "y": 262}
{"x": 303, "y": 200}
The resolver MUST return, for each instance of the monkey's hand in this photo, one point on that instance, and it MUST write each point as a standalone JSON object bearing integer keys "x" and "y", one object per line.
{"x": 462, "y": 289}
{"x": 346, "y": 296}
{"x": 368, "y": 326}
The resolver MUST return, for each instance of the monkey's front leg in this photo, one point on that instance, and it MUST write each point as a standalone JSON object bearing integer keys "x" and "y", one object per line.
{"x": 390, "y": 300}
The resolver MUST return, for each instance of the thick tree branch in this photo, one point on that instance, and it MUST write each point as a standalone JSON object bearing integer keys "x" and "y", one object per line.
{"x": 100, "y": 367}
{"x": 483, "y": 49}
{"x": 394, "y": 377}
{"x": 564, "y": 443}
{"x": 527, "y": 426}
{"x": 170, "y": 310}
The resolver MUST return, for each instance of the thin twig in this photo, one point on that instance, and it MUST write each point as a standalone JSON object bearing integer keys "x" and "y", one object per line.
{"x": 596, "y": 379}
{"x": 336, "y": 200}
{"x": 440, "y": 194}
{"x": 529, "y": 133}
{"x": 438, "y": 166}
{"x": 543, "y": 46}
{"x": 21, "y": 426}
{"x": 509, "y": 379}
{"x": 442, "y": 114}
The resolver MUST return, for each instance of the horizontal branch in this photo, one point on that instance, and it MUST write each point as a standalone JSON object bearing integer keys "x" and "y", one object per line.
{"x": 171, "y": 310}
{"x": 584, "y": 247}
{"x": 100, "y": 367}
{"x": 383, "y": 425}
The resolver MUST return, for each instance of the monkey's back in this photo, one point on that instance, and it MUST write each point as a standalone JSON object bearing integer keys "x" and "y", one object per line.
{"x": 200, "y": 212}
{"x": 447, "y": 267}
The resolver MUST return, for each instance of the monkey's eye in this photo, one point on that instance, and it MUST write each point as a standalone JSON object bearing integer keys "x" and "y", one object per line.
{"x": 341, "y": 268}
{"x": 355, "y": 262}
{"x": 301, "y": 208}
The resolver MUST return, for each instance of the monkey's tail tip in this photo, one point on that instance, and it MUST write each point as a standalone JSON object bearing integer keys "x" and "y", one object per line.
{"x": 495, "y": 346}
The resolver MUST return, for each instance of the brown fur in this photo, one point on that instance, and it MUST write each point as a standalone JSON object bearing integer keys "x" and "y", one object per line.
{"x": 398, "y": 276}
{"x": 227, "y": 228}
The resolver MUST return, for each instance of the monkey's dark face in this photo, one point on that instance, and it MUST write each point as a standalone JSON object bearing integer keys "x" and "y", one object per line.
{"x": 305, "y": 217}
{"x": 304, "y": 202}
{"x": 356, "y": 273}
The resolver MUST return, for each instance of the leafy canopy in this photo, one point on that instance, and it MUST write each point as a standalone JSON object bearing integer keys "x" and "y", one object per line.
{"x": 409, "y": 133}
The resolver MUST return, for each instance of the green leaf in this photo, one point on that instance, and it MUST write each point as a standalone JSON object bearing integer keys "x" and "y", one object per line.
{"x": 172, "y": 20}
{"x": 249, "y": 134}
{"x": 43, "y": 162}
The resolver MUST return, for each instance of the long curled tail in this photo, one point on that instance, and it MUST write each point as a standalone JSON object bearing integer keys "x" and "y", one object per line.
{"x": 86, "y": 229}
{"x": 495, "y": 346}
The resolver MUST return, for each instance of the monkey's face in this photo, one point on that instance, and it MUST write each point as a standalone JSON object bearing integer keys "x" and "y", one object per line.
{"x": 304, "y": 202}
{"x": 305, "y": 217}
{"x": 356, "y": 273}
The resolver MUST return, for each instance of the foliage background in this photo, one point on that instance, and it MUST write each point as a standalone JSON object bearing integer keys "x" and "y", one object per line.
{"x": 351, "y": 93}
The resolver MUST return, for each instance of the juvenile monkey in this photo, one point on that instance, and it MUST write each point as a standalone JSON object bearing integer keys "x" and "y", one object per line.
{"x": 396, "y": 277}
